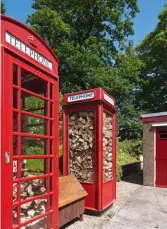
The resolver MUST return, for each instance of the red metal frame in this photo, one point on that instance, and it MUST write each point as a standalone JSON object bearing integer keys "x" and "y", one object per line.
{"x": 161, "y": 160}
{"x": 98, "y": 96}
{"x": 10, "y": 56}
{"x": 106, "y": 194}
{"x": 100, "y": 194}
{"x": 154, "y": 119}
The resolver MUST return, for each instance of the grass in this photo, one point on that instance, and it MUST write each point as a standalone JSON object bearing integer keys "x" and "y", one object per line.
{"x": 35, "y": 164}
{"x": 123, "y": 158}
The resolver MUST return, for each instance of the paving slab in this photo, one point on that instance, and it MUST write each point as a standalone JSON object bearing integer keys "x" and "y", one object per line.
{"x": 146, "y": 210}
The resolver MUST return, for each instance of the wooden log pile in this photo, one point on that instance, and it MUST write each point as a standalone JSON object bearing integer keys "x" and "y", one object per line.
{"x": 81, "y": 146}
{"x": 107, "y": 147}
{"x": 37, "y": 224}
{"x": 30, "y": 189}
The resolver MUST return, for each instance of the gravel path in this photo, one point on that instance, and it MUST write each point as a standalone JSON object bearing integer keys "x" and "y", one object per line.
{"x": 125, "y": 189}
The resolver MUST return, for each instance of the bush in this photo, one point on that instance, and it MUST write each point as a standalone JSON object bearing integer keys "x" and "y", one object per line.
{"x": 123, "y": 158}
{"x": 119, "y": 173}
{"x": 130, "y": 147}
{"x": 128, "y": 151}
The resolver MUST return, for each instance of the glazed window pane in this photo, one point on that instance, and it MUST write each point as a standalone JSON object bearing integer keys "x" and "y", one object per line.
{"x": 81, "y": 145}
{"x": 107, "y": 147}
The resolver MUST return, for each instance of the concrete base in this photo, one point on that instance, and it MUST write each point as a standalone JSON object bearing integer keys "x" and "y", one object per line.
{"x": 146, "y": 210}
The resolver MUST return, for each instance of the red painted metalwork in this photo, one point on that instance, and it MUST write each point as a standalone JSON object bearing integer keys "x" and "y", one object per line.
{"x": 154, "y": 119}
{"x": 161, "y": 157}
{"x": 100, "y": 194}
{"x": 24, "y": 49}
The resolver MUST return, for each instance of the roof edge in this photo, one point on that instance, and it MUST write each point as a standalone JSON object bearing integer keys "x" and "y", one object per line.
{"x": 152, "y": 115}
{"x": 6, "y": 18}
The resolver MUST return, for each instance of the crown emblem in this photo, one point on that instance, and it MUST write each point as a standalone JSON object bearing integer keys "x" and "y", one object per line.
{"x": 32, "y": 40}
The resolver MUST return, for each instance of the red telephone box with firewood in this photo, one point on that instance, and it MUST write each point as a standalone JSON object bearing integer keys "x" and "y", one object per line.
{"x": 29, "y": 129}
{"x": 89, "y": 145}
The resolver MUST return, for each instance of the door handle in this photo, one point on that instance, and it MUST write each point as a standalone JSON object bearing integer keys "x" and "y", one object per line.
{"x": 7, "y": 157}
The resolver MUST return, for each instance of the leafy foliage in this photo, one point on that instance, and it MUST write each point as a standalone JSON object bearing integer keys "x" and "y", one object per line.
{"x": 37, "y": 106}
{"x": 152, "y": 96}
{"x": 119, "y": 173}
{"x": 128, "y": 68}
{"x": 129, "y": 148}
{"x": 128, "y": 151}
{"x": 87, "y": 37}
{"x": 3, "y": 9}
{"x": 84, "y": 36}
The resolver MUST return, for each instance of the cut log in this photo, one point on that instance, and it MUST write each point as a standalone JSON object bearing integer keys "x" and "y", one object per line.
{"x": 81, "y": 152}
{"x": 107, "y": 147}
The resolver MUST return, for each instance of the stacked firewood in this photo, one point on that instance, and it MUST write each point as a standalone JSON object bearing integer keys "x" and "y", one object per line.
{"x": 30, "y": 189}
{"x": 81, "y": 145}
{"x": 37, "y": 224}
{"x": 107, "y": 147}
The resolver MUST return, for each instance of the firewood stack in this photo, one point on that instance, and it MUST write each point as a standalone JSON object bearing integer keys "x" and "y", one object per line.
{"x": 81, "y": 146}
{"x": 107, "y": 147}
{"x": 30, "y": 189}
{"x": 38, "y": 224}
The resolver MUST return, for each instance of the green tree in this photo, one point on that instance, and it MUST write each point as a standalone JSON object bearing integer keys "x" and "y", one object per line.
{"x": 85, "y": 35}
{"x": 152, "y": 96}
{"x": 128, "y": 69}
{"x": 3, "y": 10}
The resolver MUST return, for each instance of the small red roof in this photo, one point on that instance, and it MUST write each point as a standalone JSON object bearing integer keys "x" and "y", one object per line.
{"x": 154, "y": 117}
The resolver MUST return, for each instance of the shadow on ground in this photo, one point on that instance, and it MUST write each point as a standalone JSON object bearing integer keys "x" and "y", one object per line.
{"x": 136, "y": 178}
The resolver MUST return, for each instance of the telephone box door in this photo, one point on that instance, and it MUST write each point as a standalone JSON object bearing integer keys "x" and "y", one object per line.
{"x": 28, "y": 158}
{"x": 161, "y": 156}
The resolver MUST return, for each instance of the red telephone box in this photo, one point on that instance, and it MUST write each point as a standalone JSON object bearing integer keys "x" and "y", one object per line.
{"x": 89, "y": 145}
{"x": 29, "y": 130}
